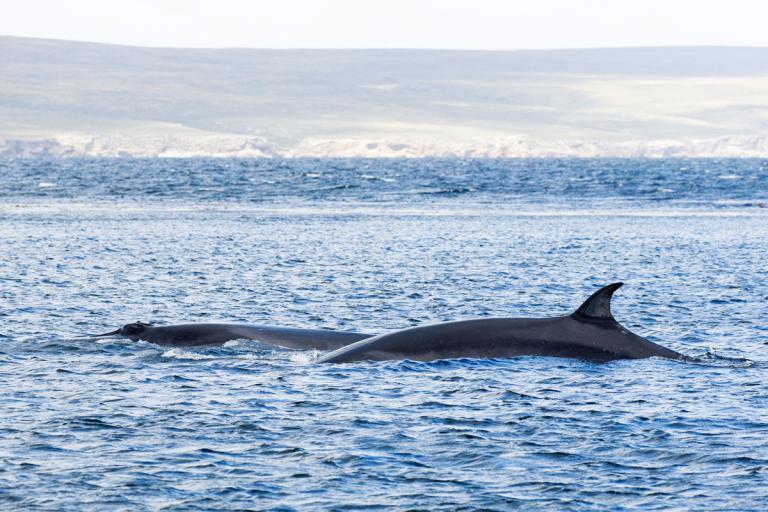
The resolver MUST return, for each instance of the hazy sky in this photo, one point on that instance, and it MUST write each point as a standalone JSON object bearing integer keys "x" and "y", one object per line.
{"x": 464, "y": 24}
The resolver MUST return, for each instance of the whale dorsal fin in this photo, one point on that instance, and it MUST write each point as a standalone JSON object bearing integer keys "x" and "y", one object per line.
{"x": 598, "y": 305}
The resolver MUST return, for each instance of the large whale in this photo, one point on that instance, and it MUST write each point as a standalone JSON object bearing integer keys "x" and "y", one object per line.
{"x": 195, "y": 335}
{"x": 589, "y": 333}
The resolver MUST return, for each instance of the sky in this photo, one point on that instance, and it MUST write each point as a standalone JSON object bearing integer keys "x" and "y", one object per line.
{"x": 447, "y": 24}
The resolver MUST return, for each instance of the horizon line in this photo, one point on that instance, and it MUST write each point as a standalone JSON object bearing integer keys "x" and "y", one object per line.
{"x": 372, "y": 48}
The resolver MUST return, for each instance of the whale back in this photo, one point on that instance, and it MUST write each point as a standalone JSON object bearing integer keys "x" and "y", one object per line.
{"x": 589, "y": 333}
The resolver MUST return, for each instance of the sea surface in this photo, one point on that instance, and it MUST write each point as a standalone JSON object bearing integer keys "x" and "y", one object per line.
{"x": 375, "y": 246}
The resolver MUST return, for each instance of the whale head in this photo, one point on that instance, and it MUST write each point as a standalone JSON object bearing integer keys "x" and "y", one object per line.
{"x": 131, "y": 331}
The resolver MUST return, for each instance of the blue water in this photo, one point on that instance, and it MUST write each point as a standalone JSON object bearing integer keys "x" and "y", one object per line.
{"x": 377, "y": 245}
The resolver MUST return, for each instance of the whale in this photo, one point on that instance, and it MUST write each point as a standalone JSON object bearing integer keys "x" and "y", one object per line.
{"x": 589, "y": 333}
{"x": 213, "y": 334}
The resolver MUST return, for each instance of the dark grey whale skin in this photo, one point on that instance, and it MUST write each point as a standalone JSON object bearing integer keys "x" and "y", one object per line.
{"x": 194, "y": 335}
{"x": 590, "y": 333}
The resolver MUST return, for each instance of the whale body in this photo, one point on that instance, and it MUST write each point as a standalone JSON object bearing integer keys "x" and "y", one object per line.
{"x": 589, "y": 333}
{"x": 212, "y": 334}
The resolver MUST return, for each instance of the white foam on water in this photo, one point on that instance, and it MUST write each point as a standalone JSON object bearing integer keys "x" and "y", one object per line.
{"x": 176, "y": 353}
{"x": 303, "y": 356}
{"x": 109, "y": 341}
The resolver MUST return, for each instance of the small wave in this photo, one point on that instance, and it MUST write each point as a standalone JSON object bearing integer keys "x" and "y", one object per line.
{"x": 712, "y": 358}
{"x": 110, "y": 341}
{"x": 250, "y": 357}
{"x": 177, "y": 353}
{"x": 343, "y": 186}
{"x": 447, "y": 191}
{"x": 738, "y": 203}
{"x": 46, "y": 184}
{"x": 510, "y": 395}
{"x": 90, "y": 423}
{"x": 303, "y": 356}
{"x": 371, "y": 177}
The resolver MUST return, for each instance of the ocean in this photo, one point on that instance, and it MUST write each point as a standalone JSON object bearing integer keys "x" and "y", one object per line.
{"x": 378, "y": 245}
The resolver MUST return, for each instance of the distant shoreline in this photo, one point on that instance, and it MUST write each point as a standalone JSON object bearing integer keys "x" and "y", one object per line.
{"x": 248, "y": 147}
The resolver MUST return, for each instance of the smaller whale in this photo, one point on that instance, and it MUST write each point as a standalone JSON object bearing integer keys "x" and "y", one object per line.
{"x": 196, "y": 335}
{"x": 589, "y": 333}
